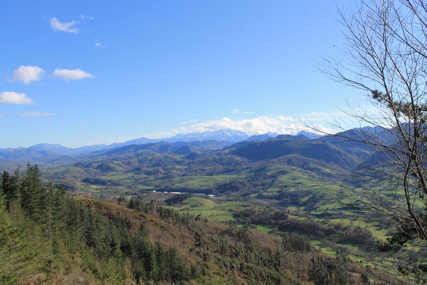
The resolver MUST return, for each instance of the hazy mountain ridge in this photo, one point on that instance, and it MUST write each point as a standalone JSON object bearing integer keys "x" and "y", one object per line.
{"x": 330, "y": 149}
{"x": 225, "y": 135}
{"x": 51, "y": 153}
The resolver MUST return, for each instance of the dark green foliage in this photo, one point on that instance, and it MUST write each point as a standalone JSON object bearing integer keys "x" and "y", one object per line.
{"x": 33, "y": 193}
{"x": 330, "y": 271}
{"x": 99, "y": 181}
{"x": 168, "y": 265}
{"x": 176, "y": 199}
{"x": 266, "y": 217}
{"x": 137, "y": 204}
{"x": 365, "y": 279}
{"x": 296, "y": 242}
{"x": 241, "y": 233}
{"x": 10, "y": 186}
{"x": 16, "y": 255}
{"x": 279, "y": 219}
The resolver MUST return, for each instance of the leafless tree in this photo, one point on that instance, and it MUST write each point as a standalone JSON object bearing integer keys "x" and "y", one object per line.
{"x": 385, "y": 57}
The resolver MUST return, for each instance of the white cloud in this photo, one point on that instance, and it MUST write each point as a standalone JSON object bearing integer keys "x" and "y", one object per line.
{"x": 257, "y": 125}
{"x": 69, "y": 27}
{"x": 14, "y": 98}
{"x": 71, "y": 74}
{"x": 28, "y": 74}
{"x": 36, "y": 114}
{"x": 2, "y": 115}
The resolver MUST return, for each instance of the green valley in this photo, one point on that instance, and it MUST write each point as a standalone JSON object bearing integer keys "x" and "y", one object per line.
{"x": 296, "y": 204}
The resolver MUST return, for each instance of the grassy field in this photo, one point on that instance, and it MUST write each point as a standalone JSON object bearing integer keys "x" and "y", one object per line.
{"x": 210, "y": 210}
{"x": 201, "y": 182}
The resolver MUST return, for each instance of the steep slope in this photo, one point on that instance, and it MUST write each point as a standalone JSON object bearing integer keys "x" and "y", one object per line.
{"x": 353, "y": 141}
{"x": 274, "y": 148}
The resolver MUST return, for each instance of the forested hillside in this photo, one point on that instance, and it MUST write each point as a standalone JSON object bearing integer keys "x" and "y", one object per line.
{"x": 272, "y": 211}
{"x": 48, "y": 236}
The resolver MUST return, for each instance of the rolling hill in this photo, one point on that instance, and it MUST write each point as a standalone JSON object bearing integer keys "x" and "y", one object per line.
{"x": 271, "y": 185}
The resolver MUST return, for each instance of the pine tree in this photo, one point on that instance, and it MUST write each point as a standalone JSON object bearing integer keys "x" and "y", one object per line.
{"x": 33, "y": 194}
{"x": 10, "y": 188}
{"x": 16, "y": 254}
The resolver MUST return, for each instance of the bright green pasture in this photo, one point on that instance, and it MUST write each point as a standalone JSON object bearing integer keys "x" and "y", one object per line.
{"x": 195, "y": 202}
{"x": 211, "y": 210}
{"x": 196, "y": 182}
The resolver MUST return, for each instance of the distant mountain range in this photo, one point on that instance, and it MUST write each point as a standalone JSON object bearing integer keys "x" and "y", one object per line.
{"x": 227, "y": 136}
{"x": 198, "y": 142}
{"x": 161, "y": 163}
{"x": 329, "y": 149}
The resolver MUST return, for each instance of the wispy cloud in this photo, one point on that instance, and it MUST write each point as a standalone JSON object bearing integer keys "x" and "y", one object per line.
{"x": 98, "y": 44}
{"x": 71, "y": 74}
{"x": 10, "y": 97}
{"x": 86, "y": 17}
{"x": 238, "y": 111}
{"x": 28, "y": 74}
{"x": 68, "y": 27}
{"x": 36, "y": 114}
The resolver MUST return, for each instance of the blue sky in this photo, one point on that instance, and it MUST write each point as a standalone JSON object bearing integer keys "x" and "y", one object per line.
{"x": 85, "y": 72}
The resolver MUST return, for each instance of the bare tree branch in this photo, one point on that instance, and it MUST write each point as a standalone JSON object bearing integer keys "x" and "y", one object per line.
{"x": 385, "y": 56}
